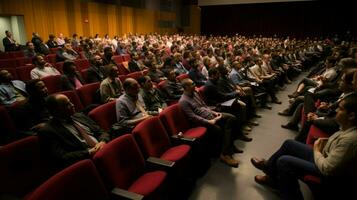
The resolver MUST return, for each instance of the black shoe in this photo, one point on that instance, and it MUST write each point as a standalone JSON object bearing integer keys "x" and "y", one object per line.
{"x": 284, "y": 113}
{"x": 256, "y": 116}
{"x": 266, "y": 107}
{"x": 290, "y": 127}
{"x": 245, "y": 138}
{"x": 276, "y": 101}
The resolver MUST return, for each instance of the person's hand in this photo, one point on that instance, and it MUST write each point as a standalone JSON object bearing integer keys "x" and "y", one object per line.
{"x": 99, "y": 145}
{"x": 320, "y": 144}
{"x": 37, "y": 126}
{"x": 323, "y": 105}
{"x": 311, "y": 117}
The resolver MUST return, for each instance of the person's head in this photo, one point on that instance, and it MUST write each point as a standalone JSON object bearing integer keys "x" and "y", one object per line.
{"x": 346, "y": 82}
{"x": 222, "y": 71}
{"x": 220, "y": 60}
{"x": 8, "y": 33}
{"x": 170, "y": 74}
{"x": 51, "y": 36}
{"x": 330, "y": 62}
{"x": 259, "y": 62}
{"x": 354, "y": 82}
{"x": 194, "y": 63}
{"x": 135, "y": 56}
{"x": 213, "y": 74}
{"x": 145, "y": 82}
{"x": 347, "y": 112}
{"x": 60, "y": 106}
{"x": 177, "y": 57}
{"x": 237, "y": 65}
{"x": 30, "y": 45}
{"x": 38, "y": 61}
{"x": 131, "y": 87}
{"x": 97, "y": 60}
{"x": 36, "y": 89}
{"x": 60, "y": 35}
{"x": 108, "y": 52}
{"x": 74, "y": 35}
{"x": 111, "y": 71}
{"x": 188, "y": 86}
{"x": 69, "y": 68}
{"x": 5, "y": 76}
{"x": 67, "y": 46}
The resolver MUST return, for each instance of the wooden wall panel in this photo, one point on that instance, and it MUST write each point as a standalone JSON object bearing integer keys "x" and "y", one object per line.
{"x": 84, "y": 18}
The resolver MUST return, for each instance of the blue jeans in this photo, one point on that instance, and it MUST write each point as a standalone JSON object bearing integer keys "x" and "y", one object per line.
{"x": 292, "y": 161}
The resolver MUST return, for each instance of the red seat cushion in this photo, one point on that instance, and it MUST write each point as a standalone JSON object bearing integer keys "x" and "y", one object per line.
{"x": 148, "y": 183}
{"x": 196, "y": 132}
{"x": 312, "y": 179}
{"x": 176, "y": 153}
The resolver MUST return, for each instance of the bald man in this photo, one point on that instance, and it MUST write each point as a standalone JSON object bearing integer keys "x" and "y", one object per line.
{"x": 70, "y": 136}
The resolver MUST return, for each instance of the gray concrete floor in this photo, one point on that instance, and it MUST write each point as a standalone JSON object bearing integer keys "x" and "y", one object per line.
{"x": 225, "y": 183}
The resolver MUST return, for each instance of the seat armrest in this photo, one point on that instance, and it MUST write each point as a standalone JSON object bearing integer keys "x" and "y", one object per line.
{"x": 183, "y": 140}
{"x": 160, "y": 162}
{"x": 118, "y": 193}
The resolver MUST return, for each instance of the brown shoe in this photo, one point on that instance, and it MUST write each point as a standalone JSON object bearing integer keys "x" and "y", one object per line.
{"x": 265, "y": 180}
{"x": 227, "y": 159}
{"x": 258, "y": 163}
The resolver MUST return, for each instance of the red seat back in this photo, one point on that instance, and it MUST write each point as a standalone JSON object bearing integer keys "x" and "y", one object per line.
{"x": 86, "y": 93}
{"x": 78, "y": 181}
{"x": 81, "y": 64}
{"x": 126, "y": 57}
{"x": 135, "y": 75}
{"x": 23, "y": 61}
{"x": 104, "y": 115}
{"x": 174, "y": 119}
{"x": 73, "y": 97}
{"x": 16, "y": 54}
{"x": 24, "y": 72}
{"x": 122, "y": 69}
{"x": 152, "y": 137}
{"x": 117, "y": 59}
{"x": 8, "y": 63}
{"x": 23, "y": 167}
{"x": 120, "y": 161}
{"x": 51, "y": 58}
{"x": 182, "y": 76}
{"x": 7, "y": 126}
{"x": 53, "y": 83}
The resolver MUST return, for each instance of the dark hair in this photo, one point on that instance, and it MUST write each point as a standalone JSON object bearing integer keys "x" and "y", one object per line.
{"x": 143, "y": 79}
{"x": 31, "y": 87}
{"x": 331, "y": 60}
{"x": 349, "y": 76}
{"x": 351, "y": 104}
{"x": 213, "y": 71}
{"x": 67, "y": 66}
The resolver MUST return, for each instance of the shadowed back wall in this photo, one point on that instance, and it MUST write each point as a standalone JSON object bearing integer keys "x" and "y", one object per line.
{"x": 300, "y": 19}
{"x": 86, "y": 18}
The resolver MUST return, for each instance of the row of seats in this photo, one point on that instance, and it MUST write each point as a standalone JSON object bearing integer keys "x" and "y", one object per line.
{"x": 120, "y": 163}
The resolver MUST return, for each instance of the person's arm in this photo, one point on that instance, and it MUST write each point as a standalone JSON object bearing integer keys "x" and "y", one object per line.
{"x": 188, "y": 110}
{"x": 58, "y": 148}
{"x": 105, "y": 93}
{"x": 339, "y": 155}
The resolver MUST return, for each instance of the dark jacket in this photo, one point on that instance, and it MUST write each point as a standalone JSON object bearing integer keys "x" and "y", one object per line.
{"x": 214, "y": 95}
{"x": 63, "y": 145}
{"x": 69, "y": 83}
